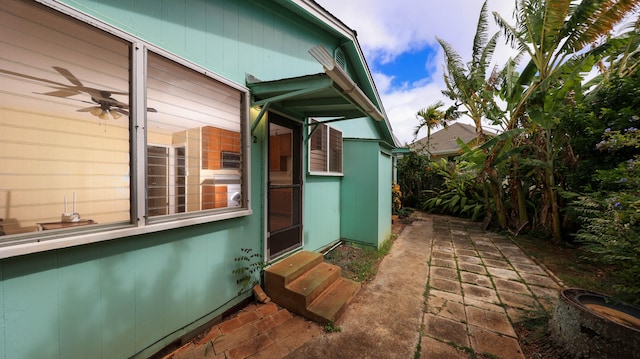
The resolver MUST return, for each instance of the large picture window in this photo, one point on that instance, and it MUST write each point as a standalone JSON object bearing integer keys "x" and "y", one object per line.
{"x": 190, "y": 111}
{"x": 68, "y": 148}
{"x": 325, "y": 149}
{"x": 64, "y": 122}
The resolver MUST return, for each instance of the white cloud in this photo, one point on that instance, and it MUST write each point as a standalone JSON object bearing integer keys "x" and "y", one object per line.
{"x": 387, "y": 29}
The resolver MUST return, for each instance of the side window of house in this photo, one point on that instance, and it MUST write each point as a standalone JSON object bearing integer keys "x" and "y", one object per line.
{"x": 325, "y": 149}
{"x": 67, "y": 147}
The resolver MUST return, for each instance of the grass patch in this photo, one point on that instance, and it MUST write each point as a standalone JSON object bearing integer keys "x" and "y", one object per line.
{"x": 359, "y": 263}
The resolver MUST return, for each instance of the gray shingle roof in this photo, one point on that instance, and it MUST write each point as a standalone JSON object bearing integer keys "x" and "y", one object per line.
{"x": 443, "y": 142}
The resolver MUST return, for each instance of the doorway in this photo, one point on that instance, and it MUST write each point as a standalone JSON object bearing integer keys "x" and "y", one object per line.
{"x": 284, "y": 195}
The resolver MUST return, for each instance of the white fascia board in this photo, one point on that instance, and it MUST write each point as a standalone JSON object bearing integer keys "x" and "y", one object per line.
{"x": 321, "y": 13}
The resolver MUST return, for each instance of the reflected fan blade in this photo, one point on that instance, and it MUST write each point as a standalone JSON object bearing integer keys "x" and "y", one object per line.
{"x": 68, "y": 75}
{"x": 61, "y": 93}
{"x": 88, "y": 109}
{"x": 31, "y": 77}
{"x": 126, "y": 113}
{"x": 151, "y": 109}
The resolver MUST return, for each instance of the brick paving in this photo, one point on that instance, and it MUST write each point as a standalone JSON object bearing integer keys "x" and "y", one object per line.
{"x": 478, "y": 284}
{"x": 257, "y": 331}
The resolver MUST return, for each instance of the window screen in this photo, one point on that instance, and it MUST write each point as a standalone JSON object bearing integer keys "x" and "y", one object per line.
{"x": 335, "y": 150}
{"x": 325, "y": 149}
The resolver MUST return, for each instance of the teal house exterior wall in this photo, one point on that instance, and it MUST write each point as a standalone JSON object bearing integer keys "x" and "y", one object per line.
{"x": 131, "y": 296}
{"x": 385, "y": 180}
{"x": 366, "y": 198}
{"x": 228, "y": 37}
{"x": 322, "y": 211}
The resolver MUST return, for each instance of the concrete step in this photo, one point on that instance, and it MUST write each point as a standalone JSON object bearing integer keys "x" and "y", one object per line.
{"x": 330, "y": 305}
{"x": 306, "y": 285}
{"x": 279, "y": 275}
{"x": 306, "y": 288}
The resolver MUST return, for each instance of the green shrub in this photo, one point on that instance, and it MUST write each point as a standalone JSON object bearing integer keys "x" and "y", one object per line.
{"x": 460, "y": 194}
{"x": 611, "y": 216}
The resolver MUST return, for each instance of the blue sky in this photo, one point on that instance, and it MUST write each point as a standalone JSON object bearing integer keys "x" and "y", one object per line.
{"x": 410, "y": 68}
{"x": 398, "y": 39}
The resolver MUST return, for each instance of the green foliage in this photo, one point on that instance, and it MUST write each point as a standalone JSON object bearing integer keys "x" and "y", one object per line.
{"x": 414, "y": 177}
{"x": 460, "y": 194}
{"x": 250, "y": 264}
{"x": 404, "y": 212}
{"x": 396, "y": 199}
{"x": 612, "y": 108}
{"x": 611, "y": 216}
{"x": 332, "y": 328}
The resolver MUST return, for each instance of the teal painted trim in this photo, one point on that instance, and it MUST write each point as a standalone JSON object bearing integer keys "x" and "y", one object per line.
{"x": 261, "y": 114}
{"x": 285, "y": 96}
{"x": 385, "y": 173}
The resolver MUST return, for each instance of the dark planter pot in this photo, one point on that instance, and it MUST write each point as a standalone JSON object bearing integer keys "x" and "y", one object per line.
{"x": 592, "y": 325}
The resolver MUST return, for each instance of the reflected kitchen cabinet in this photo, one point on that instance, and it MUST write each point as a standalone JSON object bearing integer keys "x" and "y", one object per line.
{"x": 216, "y": 142}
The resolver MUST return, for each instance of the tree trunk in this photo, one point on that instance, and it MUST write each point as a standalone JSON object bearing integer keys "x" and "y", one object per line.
{"x": 550, "y": 187}
{"x": 496, "y": 190}
{"x": 495, "y": 184}
{"x": 556, "y": 229}
{"x": 521, "y": 199}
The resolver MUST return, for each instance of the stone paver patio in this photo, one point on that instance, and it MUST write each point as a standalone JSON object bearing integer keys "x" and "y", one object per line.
{"x": 447, "y": 289}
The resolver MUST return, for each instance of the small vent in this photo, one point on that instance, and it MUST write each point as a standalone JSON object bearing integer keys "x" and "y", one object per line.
{"x": 340, "y": 58}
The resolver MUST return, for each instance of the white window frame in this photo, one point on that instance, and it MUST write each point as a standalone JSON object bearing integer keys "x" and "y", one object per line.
{"x": 35, "y": 242}
{"x": 328, "y": 128}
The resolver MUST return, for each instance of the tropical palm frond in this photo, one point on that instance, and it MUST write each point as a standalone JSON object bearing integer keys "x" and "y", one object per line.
{"x": 512, "y": 35}
{"x": 429, "y": 117}
{"x": 594, "y": 19}
{"x": 479, "y": 70}
{"x": 555, "y": 14}
{"x": 480, "y": 38}
{"x": 453, "y": 59}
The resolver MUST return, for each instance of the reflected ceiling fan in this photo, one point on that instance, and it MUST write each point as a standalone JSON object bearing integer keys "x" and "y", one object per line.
{"x": 103, "y": 104}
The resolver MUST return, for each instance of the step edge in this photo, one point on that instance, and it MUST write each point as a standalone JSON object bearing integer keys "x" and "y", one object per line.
{"x": 312, "y": 308}
{"x": 309, "y": 294}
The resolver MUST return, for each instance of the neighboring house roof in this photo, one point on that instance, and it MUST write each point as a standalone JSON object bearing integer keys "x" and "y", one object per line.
{"x": 444, "y": 141}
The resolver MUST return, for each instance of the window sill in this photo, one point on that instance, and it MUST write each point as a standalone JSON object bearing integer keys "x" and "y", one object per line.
{"x": 62, "y": 240}
{"x": 326, "y": 174}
